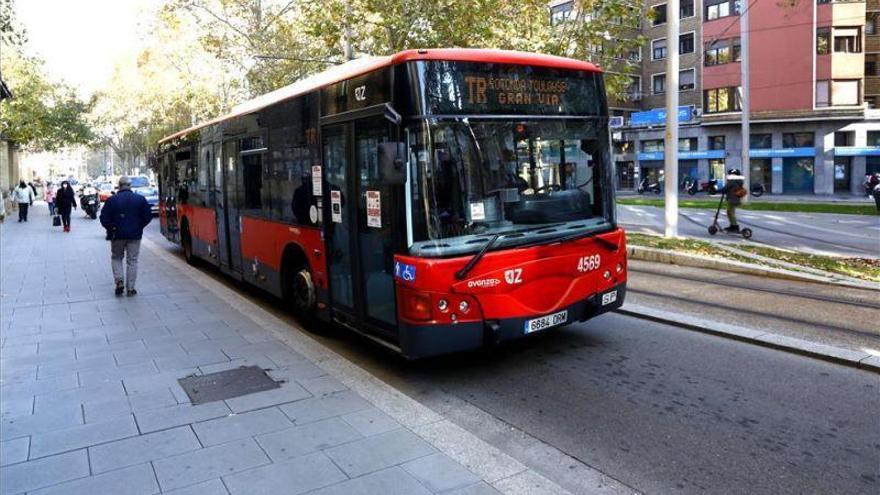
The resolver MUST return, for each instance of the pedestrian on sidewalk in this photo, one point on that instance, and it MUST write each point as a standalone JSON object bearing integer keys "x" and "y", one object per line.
{"x": 734, "y": 190}
{"x": 65, "y": 200}
{"x": 51, "y": 190}
{"x": 124, "y": 215}
{"x": 24, "y": 196}
{"x": 876, "y": 191}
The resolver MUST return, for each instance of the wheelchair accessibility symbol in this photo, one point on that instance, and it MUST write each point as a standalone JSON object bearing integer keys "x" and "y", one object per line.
{"x": 404, "y": 271}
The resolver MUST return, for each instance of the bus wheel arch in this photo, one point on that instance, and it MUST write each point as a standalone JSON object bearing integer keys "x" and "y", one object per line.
{"x": 186, "y": 241}
{"x": 297, "y": 282}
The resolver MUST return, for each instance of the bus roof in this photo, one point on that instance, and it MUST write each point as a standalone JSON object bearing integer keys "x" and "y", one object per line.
{"x": 364, "y": 65}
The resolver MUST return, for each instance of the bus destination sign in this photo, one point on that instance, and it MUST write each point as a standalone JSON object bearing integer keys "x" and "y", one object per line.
{"x": 512, "y": 91}
{"x": 470, "y": 88}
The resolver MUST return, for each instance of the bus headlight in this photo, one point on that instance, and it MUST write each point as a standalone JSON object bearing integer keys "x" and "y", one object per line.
{"x": 442, "y": 305}
{"x": 464, "y": 306}
{"x": 607, "y": 274}
{"x": 619, "y": 267}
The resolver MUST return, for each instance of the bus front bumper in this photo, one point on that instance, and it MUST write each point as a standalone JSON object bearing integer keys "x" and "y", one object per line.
{"x": 421, "y": 341}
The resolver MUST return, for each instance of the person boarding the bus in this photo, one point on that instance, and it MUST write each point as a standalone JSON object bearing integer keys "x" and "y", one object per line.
{"x": 734, "y": 190}
{"x": 124, "y": 216}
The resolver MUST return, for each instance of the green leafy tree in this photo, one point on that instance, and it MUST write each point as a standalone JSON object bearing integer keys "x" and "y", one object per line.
{"x": 43, "y": 115}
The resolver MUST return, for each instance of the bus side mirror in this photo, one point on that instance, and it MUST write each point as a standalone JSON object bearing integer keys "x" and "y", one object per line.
{"x": 392, "y": 165}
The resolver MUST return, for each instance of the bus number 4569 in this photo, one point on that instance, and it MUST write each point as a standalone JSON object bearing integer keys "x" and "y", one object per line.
{"x": 589, "y": 263}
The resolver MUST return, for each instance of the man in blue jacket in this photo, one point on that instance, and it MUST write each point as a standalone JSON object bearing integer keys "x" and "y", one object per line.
{"x": 124, "y": 216}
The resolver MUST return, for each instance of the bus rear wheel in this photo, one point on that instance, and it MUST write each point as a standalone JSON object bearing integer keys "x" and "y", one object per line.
{"x": 186, "y": 242}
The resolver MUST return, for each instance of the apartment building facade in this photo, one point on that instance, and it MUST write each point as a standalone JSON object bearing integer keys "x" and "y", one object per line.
{"x": 815, "y": 94}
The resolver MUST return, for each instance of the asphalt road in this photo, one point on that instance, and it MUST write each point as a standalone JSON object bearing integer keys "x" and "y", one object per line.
{"x": 657, "y": 408}
{"x": 820, "y": 233}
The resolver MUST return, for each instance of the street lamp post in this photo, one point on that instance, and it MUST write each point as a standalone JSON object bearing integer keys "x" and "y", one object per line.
{"x": 671, "y": 145}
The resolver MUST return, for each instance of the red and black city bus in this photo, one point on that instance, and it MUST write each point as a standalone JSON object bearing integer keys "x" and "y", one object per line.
{"x": 433, "y": 200}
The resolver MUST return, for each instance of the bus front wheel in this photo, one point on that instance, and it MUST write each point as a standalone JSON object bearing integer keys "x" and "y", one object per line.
{"x": 186, "y": 242}
{"x": 302, "y": 292}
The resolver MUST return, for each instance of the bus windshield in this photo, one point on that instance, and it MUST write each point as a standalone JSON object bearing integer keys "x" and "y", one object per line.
{"x": 530, "y": 181}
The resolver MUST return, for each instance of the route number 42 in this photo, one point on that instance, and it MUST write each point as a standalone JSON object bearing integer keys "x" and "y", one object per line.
{"x": 589, "y": 263}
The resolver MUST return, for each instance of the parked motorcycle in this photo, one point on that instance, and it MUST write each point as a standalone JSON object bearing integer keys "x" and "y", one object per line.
{"x": 758, "y": 189}
{"x": 89, "y": 202}
{"x": 710, "y": 187}
{"x": 645, "y": 186}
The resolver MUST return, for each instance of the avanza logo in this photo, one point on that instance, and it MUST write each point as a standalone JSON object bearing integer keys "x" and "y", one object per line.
{"x": 485, "y": 283}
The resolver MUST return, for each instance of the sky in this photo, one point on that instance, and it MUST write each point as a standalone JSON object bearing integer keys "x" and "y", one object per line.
{"x": 80, "y": 40}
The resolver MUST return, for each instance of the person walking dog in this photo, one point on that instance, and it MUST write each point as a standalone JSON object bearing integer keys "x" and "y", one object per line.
{"x": 24, "y": 196}
{"x": 124, "y": 216}
{"x": 65, "y": 200}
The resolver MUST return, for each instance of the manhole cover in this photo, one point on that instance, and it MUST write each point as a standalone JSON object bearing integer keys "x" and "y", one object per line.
{"x": 226, "y": 384}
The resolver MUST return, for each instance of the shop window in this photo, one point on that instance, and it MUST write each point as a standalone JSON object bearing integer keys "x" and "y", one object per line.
{"x": 716, "y": 142}
{"x": 686, "y": 9}
{"x": 845, "y": 92}
{"x": 716, "y": 169}
{"x": 761, "y": 141}
{"x": 823, "y": 41}
{"x": 686, "y": 43}
{"x": 658, "y": 83}
{"x": 823, "y": 96}
{"x": 798, "y": 140}
{"x": 659, "y": 14}
{"x": 716, "y": 9}
{"x": 721, "y": 100}
{"x": 658, "y": 49}
{"x": 847, "y": 40}
{"x": 686, "y": 79}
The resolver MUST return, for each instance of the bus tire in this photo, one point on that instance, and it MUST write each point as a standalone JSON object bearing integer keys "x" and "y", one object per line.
{"x": 299, "y": 285}
{"x": 186, "y": 243}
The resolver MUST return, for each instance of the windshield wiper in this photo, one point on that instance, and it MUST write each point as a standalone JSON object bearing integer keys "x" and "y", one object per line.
{"x": 477, "y": 257}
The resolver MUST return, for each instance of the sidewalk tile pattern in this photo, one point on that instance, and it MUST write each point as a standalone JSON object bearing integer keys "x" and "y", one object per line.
{"x": 89, "y": 399}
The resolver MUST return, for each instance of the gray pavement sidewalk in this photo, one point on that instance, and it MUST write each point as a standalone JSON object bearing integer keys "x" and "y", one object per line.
{"x": 91, "y": 403}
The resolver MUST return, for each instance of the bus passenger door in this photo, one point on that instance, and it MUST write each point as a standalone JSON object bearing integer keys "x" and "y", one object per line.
{"x": 227, "y": 211}
{"x": 365, "y": 225}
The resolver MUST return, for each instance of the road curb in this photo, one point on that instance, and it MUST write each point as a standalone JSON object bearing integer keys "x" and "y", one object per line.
{"x": 495, "y": 467}
{"x": 838, "y": 355}
{"x": 671, "y": 257}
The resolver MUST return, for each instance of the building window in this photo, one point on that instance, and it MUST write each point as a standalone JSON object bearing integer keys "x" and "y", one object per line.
{"x": 870, "y": 67}
{"x": 847, "y": 40}
{"x": 722, "y": 52}
{"x": 687, "y": 144}
{"x": 623, "y": 147}
{"x": 716, "y": 142}
{"x": 652, "y": 145}
{"x": 844, "y": 138}
{"x": 873, "y": 138}
{"x": 658, "y": 83}
{"x": 823, "y": 41}
{"x": 721, "y": 100}
{"x": 634, "y": 90}
{"x": 635, "y": 55}
{"x": 658, "y": 49}
{"x": 761, "y": 141}
{"x": 823, "y": 96}
{"x": 561, "y": 13}
{"x": 845, "y": 92}
{"x": 686, "y": 9}
{"x": 797, "y": 140}
{"x": 686, "y": 43}
{"x": 659, "y": 14}
{"x": 871, "y": 23}
{"x": 686, "y": 79}
{"x": 716, "y": 9}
